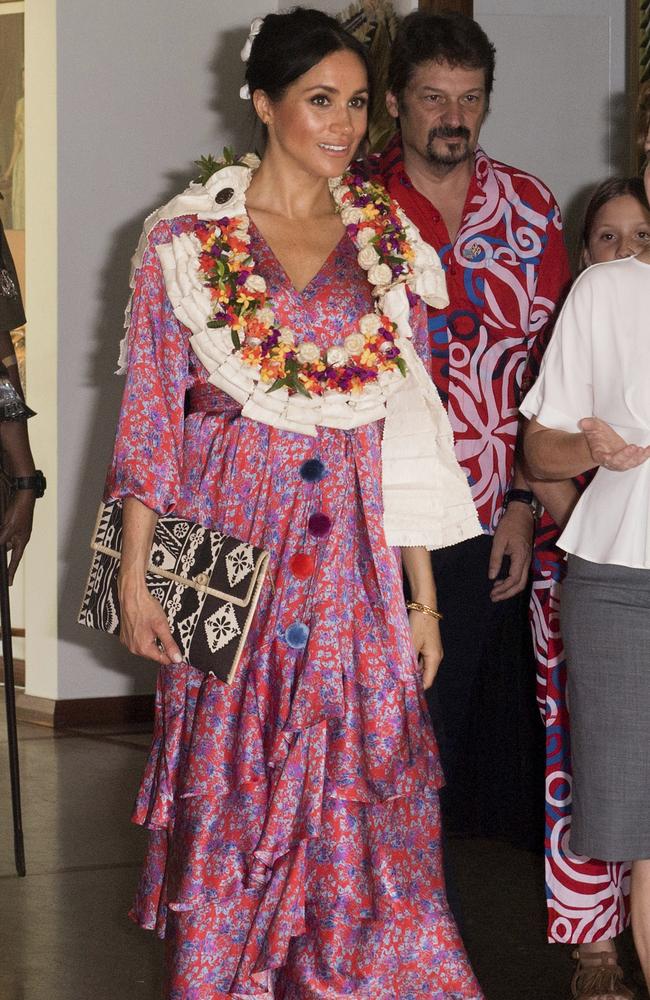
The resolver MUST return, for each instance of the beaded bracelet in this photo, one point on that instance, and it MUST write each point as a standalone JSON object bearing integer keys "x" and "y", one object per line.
{"x": 425, "y": 609}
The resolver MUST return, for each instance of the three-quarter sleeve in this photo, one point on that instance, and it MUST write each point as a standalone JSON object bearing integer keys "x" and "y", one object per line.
{"x": 148, "y": 455}
{"x": 563, "y": 392}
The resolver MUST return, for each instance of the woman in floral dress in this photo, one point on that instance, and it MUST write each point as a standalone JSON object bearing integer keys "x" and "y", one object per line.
{"x": 293, "y": 815}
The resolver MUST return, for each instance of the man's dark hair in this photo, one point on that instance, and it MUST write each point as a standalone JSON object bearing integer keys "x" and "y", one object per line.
{"x": 449, "y": 38}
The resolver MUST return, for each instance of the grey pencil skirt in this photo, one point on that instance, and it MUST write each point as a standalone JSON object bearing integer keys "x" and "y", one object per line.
{"x": 605, "y": 618}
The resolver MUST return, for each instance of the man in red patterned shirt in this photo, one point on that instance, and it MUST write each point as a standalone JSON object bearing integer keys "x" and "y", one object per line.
{"x": 499, "y": 235}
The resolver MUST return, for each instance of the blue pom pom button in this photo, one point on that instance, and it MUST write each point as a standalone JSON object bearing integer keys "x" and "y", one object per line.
{"x": 312, "y": 471}
{"x": 297, "y": 635}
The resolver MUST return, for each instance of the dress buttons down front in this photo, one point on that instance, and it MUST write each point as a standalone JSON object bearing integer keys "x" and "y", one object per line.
{"x": 302, "y": 565}
{"x": 297, "y": 635}
{"x": 312, "y": 471}
{"x": 319, "y": 525}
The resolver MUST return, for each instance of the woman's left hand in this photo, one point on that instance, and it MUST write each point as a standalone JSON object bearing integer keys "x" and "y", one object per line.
{"x": 425, "y": 634}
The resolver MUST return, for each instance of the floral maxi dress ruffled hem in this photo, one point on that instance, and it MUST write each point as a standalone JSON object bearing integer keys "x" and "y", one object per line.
{"x": 294, "y": 845}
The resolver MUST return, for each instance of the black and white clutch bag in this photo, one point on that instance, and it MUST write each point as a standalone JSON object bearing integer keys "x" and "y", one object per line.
{"x": 208, "y": 585}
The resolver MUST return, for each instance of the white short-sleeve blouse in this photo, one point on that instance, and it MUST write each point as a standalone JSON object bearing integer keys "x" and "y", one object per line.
{"x": 598, "y": 364}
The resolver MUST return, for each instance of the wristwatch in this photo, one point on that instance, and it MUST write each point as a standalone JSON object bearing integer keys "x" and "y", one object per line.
{"x": 522, "y": 496}
{"x": 36, "y": 482}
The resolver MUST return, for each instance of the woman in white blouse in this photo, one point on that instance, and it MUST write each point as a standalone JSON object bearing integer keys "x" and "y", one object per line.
{"x": 590, "y": 408}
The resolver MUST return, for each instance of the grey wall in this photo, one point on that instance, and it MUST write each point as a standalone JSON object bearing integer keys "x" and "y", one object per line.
{"x": 558, "y": 108}
{"x": 144, "y": 88}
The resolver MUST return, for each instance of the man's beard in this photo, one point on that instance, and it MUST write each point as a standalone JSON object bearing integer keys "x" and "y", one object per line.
{"x": 454, "y": 154}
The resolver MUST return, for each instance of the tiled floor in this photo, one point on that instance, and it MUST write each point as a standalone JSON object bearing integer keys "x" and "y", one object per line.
{"x": 63, "y": 930}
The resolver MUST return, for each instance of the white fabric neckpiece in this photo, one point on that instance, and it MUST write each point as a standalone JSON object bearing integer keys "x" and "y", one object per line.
{"x": 427, "y": 500}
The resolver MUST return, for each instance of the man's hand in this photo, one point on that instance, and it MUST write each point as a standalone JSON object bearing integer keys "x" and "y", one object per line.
{"x": 609, "y": 449}
{"x": 513, "y": 538}
{"x": 17, "y": 527}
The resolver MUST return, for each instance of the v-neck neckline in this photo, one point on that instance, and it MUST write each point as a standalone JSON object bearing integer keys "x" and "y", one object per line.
{"x": 300, "y": 292}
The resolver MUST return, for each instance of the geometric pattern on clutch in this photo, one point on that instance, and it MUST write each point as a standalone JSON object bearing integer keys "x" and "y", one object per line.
{"x": 239, "y": 564}
{"x": 221, "y": 627}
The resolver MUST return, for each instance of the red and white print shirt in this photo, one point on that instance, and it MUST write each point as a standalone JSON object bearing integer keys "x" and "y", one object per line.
{"x": 506, "y": 272}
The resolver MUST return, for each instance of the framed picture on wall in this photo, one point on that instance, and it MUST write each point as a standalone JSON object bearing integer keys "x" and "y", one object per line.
{"x": 12, "y": 116}
{"x": 12, "y": 145}
{"x": 638, "y": 64}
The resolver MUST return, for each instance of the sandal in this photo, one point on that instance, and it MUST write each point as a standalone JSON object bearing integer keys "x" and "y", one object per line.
{"x": 598, "y": 976}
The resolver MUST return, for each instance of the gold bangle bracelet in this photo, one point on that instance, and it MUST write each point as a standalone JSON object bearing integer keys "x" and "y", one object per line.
{"x": 425, "y": 609}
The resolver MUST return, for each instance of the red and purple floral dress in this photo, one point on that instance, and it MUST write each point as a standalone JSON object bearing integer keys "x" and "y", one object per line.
{"x": 294, "y": 845}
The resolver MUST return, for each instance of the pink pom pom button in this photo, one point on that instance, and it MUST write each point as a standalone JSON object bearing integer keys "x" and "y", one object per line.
{"x": 319, "y": 525}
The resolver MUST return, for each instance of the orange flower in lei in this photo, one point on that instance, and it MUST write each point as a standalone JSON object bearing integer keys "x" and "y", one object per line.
{"x": 242, "y": 304}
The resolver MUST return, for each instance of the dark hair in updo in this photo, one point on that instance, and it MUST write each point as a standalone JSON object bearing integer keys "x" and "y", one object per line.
{"x": 291, "y": 44}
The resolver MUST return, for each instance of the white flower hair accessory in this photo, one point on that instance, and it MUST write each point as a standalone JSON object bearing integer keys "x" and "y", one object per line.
{"x": 256, "y": 27}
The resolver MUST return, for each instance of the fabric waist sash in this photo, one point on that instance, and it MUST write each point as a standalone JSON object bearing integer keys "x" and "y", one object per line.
{"x": 205, "y": 398}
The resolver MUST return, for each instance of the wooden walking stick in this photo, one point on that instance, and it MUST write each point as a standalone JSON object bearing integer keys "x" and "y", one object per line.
{"x": 10, "y": 692}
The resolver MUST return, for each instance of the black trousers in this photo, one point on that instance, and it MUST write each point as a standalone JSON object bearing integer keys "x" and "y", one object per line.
{"x": 482, "y": 704}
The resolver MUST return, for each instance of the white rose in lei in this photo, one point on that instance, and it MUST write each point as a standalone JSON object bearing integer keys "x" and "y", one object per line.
{"x": 367, "y": 258}
{"x": 369, "y": 324}
{"x": 337, "y": 356}
{"x": 351, "y": 216}
{"x": 365, "y": 236}
{"x": 380, "y": 274}
{"x": 338, "y": 191}
{"x": 255, "y": 283}
{"x": 355, "y": 343}
{"x": 265, "y": 316}
{"x": 308, "y": 353}
{"x": 286, "y": 335}
{"x": 250, "y": 160}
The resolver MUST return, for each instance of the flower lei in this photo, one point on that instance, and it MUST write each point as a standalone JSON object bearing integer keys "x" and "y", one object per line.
{"x": 241, "y": 303}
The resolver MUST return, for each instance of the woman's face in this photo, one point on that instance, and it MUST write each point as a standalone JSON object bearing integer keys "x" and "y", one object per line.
{"x": 621, "y": 228}
{"x": 322, "y": 117}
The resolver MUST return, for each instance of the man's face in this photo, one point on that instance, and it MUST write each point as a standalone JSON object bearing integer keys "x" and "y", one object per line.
{"x": 441, "y": 112}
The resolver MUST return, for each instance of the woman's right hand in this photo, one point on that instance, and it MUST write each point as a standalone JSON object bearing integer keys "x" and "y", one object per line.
{"x": 144, "y": 627}
{"x": 609, "y": 449}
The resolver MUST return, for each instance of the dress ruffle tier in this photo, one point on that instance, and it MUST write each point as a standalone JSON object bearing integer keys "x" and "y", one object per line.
{"x": 254, "y": 838}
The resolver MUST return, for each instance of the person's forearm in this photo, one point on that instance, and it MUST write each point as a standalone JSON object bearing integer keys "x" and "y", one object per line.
{"x": 138, "y": 526}
{"x": 417, "y": 566}
{"x": 8, "y": 358}
{"x": 16, "y": 453}
{"x": 519, "y": 478}
{"x": 552, "y": 454}
{"x": 557, "y": 497}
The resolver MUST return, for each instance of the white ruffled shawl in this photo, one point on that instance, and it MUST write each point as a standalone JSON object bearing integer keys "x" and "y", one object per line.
{"x": 427, "y": 500}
